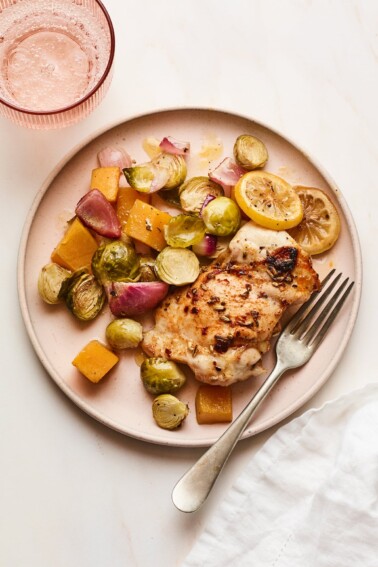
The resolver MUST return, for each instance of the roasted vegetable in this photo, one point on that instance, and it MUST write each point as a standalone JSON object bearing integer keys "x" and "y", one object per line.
{"x": 175, "y": 165}
{"x": 161, "y": 376}
{"x": 147, "y": 269}
{"x": 213, "y": 404}
{"x": 84, "y": 296}
{"x": 50, "y": 281}
{"x": 116, "y": 261}
{"x": 171, "y": 145}
{"x": 184, "y": 230}
{"x": 250, "y": 152}
{"x": 130, "y": 299}
{"x": 168, "y": 411}
{"x": 76, "y": 248}
{"x": 106, "y": 180}
{"x": 165, "y": 171}
{"x": 207, "y": 246}
{"x": 96, "y": 212}
{"x": 146, "y": 224}
{"x": 95, "y": 360}
{"x": 221, "y": 216}
{"x": 124, "y": 333}
{"x": 177, "y": 266}
{"x": 194, "y": 192}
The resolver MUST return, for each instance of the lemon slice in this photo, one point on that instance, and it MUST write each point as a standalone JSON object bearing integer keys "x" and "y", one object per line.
{"x": 268, "y": 200}
{"x": 320, "y": 226}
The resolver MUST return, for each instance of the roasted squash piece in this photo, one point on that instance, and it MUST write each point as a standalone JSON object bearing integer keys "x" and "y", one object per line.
{"x": 106, "y": 180}
{"x": 213, "y": 404}
{"x": 125, "y": 201}
{"x": 146, "y": 224}
{"x": 95, "y": 360}
{"x": 76, "y": 248}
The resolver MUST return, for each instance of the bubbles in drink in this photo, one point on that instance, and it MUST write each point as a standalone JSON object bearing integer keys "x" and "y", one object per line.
{"x": 51, "y": 54}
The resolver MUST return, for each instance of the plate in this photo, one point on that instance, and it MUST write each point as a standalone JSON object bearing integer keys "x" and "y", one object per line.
{"x": 119, "y": 401}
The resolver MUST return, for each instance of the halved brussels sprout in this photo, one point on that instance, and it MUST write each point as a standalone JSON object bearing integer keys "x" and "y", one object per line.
{"x": 171, "y": 196}
{"x": 84, "y": 295}
{"x": 221, "y": 216}
{"x": 146, "y": 177}
{"x": 161, "y": 376}
{"x": 116, "y": 261}
{"x": 175, "y": 165}
{"x": 184, "y": 230}
{"x": 177, "y": 266}
{"x": 50, "y": 281}
{"x": 250, "y": 152}
{"x": 147, "y": 269}
{"x": 124, "y": 333}
{"x": 194, "y": 192}
{"x": 165, "y": 171}
{"x": 168, "y": 411}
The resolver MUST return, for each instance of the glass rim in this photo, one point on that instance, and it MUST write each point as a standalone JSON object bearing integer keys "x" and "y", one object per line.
{"x": 90, "y": 93}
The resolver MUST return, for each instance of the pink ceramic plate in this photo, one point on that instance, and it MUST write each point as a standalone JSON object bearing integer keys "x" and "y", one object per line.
{"x": 120, "y": 401}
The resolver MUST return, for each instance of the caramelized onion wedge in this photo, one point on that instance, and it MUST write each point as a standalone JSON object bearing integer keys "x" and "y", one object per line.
{"x": 109, "y": 157}
{"x": 132, "y": 299}
{"x": 227, "y": 174}
{"x": 173, "y": 146}
{"x": 95, "y": 211}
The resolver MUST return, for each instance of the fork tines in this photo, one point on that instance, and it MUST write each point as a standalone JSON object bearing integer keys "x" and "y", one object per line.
{"x": 311, "y": 331}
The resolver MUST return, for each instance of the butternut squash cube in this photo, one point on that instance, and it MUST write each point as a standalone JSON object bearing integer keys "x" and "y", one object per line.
{"x": 146, "y": 224}
{"x": 76, "y": 248}
{"x": 213, "y": 404}
{"x": 94, "y": 361}
{"x": 125, "y": 200}
{"x": 106, "y": 180}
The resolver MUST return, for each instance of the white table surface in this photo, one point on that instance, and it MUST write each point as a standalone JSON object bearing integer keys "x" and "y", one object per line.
{"x": 72, "y": 491}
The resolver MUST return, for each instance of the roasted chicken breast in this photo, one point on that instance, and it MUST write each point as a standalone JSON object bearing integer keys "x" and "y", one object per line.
{"x": 222, "y": 323}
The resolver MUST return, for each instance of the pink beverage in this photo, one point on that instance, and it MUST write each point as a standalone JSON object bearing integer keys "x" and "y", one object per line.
{"x": 54, "y": 55}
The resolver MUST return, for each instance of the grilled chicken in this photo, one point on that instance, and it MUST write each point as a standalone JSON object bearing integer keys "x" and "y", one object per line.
{"x": 222, "y": 324}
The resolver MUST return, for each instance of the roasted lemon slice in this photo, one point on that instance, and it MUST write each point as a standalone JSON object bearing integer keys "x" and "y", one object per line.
{"x": 320, "y": 226}
{"x": 268, "y": 200}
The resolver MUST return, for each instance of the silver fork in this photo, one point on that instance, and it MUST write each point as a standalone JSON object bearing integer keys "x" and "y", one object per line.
{"x": 295, "y": 346}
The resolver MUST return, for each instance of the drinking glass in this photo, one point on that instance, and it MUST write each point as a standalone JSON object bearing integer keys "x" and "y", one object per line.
{"x": 56, "y": 60}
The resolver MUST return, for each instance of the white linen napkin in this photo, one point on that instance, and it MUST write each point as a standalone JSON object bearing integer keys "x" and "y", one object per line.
{"x": 308, "y": 498}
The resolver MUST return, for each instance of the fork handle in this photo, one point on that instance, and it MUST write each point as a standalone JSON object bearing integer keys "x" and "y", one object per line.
{"x": 194, "y": 487}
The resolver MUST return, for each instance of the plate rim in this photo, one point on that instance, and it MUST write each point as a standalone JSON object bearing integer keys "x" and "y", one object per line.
{"x": 109, "y": 422}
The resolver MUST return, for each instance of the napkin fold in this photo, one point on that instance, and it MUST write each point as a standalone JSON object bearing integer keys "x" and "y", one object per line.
{"x": 308, "y": 498}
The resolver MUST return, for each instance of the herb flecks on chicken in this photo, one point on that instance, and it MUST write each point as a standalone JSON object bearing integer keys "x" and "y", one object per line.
{"x": 221, "y": 325}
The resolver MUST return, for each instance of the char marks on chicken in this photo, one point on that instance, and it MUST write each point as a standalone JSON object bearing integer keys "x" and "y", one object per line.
{"x": 222, "y": 324}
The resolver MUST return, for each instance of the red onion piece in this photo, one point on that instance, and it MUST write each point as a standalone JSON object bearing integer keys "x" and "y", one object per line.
{"x": 207, "y": 246}
{"x": 109, "y": 157}
{"x": 131, "y": 299}
{"x": 142, "y": 248}
{"x": 173, "y": 146}
{"x": 95, "y": 212}
{"x": 207, "y": 200}
{"x": 227, "y": 174}
{"x": 161, "y": 176}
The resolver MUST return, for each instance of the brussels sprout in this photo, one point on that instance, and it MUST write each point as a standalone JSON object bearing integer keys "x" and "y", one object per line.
{"x": 194, "y": 192}
{"x": 184, "y": 230}
{"x": 171, "y": 196}
{"x": 221, "y": 216}
{"x": 84, "y": 295}
{"x": 124, "y": 333}
{"x": 175, "y": 165}
{"x": 147, "y": 269}
{"x": 177, "y": 266}
{"x": 161, "y": 376}
{"x": 146, "y": 177}
{"x": 168, "y": 411}
{"x": 250, "y": 152}
{"x": 115, "y": 261}
{"x": 50, "y": 281}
